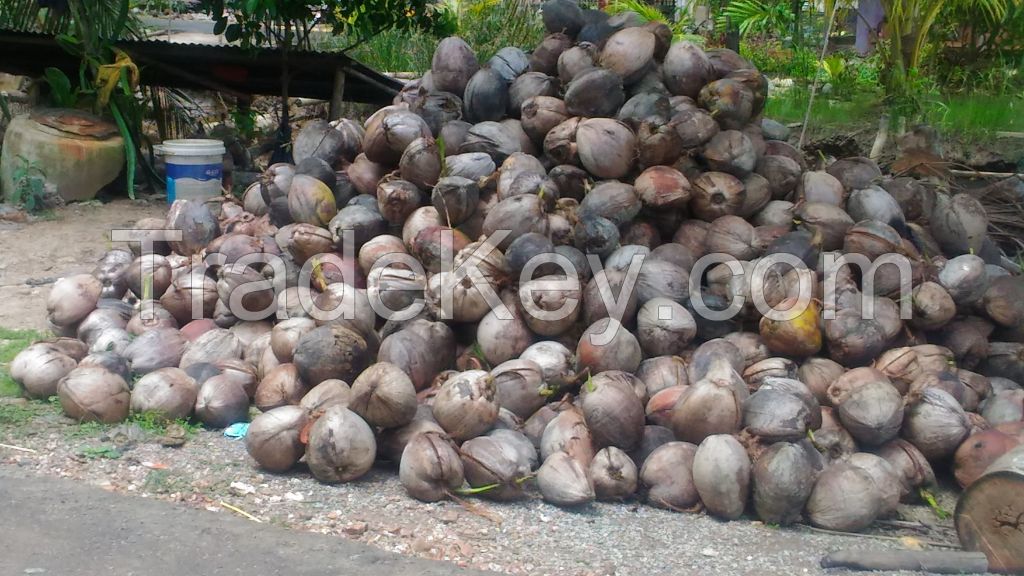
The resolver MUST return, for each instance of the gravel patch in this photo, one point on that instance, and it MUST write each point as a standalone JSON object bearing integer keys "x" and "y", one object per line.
{"x": 215, "y": 473}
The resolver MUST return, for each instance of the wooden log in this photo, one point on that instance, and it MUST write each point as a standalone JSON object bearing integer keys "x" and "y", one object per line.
{"x": 990, "y": 513}
{"x": 934, "y": 561}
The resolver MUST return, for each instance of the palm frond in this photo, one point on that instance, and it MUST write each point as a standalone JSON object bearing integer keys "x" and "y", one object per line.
{"x": 755, "y": 16}
{"x": 645, "y": 10}
{"x": 108, "y": 19}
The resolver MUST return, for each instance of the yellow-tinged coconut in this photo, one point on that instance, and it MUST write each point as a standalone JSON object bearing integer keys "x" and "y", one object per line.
{"x": 799, "y": 336}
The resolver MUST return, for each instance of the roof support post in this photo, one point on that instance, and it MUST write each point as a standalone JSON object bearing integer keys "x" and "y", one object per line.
{"x": 337, "y": 94}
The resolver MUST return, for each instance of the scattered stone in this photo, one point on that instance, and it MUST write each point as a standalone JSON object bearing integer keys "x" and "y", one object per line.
{"x": 11, "y": 213}
{"x": 174, "y": 436}
{"x": 242, "y": 489}
{"x": 355, "y": 529}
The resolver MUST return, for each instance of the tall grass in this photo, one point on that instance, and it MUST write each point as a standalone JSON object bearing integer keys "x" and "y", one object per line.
{"x": 486, "y": 25}
{"x": 790, "y": 106}
{"x": 976, "y": 113}
{"x": 973, "y": 116}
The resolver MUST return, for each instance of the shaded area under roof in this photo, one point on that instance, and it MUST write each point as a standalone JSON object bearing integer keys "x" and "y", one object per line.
{"x": 226, "y": 69}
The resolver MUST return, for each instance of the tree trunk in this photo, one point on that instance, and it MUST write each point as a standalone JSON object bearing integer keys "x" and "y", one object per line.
{"x": 990, "y": 513}
{"x": 732, "y": 35}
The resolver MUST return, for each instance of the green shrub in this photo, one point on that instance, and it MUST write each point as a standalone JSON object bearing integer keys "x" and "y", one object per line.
{"x": 486, "y": 25}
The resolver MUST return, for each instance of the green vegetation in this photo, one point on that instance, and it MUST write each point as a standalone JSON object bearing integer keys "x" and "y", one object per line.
{"x": 15, "y": 414}
{"x": 12, "y": 342}
{"x": 107, "y": 78}
{"x": 486, "y": 25}
{"x": 29, "y": 185}
{"x": 756, "y": 17}
{"x": 790, "y": 106}
{"x": 106, "y": 451}
{"x": 910, "y": 25}
{"x": 85, "y": 429}
{"x": 968, "y": 115}
{"x": 157, "y": 425}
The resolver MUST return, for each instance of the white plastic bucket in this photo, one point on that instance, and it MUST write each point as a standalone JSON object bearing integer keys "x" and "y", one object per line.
{"x": 195, "y": 168}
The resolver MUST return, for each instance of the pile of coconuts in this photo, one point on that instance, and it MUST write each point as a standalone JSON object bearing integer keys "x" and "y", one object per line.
{"x": 609, "y": 142}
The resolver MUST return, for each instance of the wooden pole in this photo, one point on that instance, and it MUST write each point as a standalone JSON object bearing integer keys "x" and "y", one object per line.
{"x": 337, "y": 94}
{"x": 881, "y": 138}
{"x": 933, "y": 561}
{"x": 990, "y": 513}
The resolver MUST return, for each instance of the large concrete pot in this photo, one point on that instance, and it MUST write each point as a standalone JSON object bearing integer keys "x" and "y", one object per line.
{"x": 79, "y": 153}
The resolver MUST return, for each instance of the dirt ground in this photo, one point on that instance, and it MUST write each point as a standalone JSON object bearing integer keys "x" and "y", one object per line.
{"x": 68, "y": 241}
{"x": 212, "y": 473}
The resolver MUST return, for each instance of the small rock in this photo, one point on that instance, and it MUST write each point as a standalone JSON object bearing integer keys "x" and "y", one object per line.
{"x": 355, "y": 529}
{"x": 774, "y": 130}
{"x": 709, "y": 552}
{"x": 242, "y": 489}
{"x": 294, "y": 496}
{"x": 450, "y": 517}
{"x": 421, "y": 545}
{"x": 13, "y": 214}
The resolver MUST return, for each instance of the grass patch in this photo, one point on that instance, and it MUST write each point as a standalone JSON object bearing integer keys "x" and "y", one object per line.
{"x": 165, "y": 482}
{"x": 103, "y": 451}
{"x": 15, "y": 415}
{"x": 975, "y": 115}
{"x": 790, "y": 106}
{"x": 12, "y": 342}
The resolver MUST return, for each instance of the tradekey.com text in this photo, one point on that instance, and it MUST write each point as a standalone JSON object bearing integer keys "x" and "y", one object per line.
{"x": 549, "y": 285}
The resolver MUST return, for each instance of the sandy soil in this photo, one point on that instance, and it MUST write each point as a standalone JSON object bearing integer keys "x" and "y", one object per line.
{"x": 34, "y": 254}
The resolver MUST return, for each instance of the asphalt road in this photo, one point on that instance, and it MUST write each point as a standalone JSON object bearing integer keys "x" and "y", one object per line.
{"x": 59, "y": 527}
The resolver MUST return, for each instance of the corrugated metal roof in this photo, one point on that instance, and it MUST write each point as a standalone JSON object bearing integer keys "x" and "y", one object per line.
{"x": 230, "y": 69}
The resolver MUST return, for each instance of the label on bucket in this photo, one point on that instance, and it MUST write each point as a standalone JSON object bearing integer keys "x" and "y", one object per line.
{"x": 190, "y": 181}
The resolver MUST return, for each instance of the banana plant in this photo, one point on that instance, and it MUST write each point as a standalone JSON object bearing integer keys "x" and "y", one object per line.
{"x": 88, "y": 29}
{"x": 909, "y": 25}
